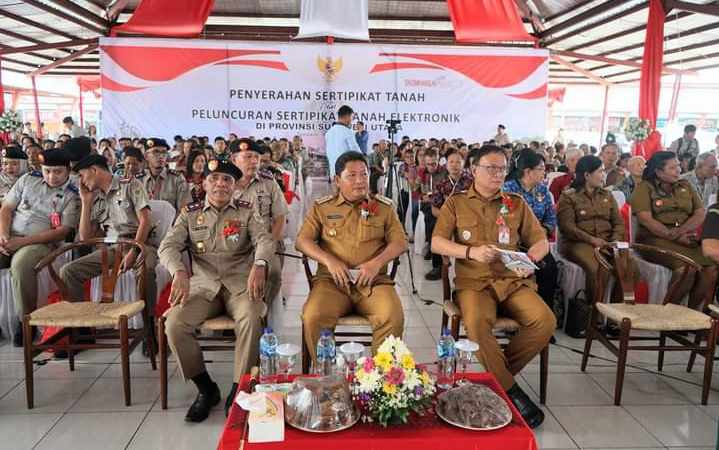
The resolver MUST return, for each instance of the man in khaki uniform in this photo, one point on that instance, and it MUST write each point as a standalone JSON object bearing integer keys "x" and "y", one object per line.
{"x": 230, "y": 249}
{"x": 40, "y": 211}
{"x": 261, "y": 190}
{"x": 472, "y": 226}
{"x": 160, "y": 182}
{"x": 348, "y": 231}
{"x": 14, "y": 161}
{"x": 115, "y": 208}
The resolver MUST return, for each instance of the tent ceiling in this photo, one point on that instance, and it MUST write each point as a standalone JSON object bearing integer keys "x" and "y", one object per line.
{"x": 609, "y": 28}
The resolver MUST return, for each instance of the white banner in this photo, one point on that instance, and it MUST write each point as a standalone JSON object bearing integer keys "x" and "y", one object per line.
{"x": 163, "y": 87}
{"x": 348, "y": 20}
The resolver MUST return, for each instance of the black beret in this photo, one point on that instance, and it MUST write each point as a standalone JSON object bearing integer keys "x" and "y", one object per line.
{"x": 219, "y": 166}
{"x": 13, "y": 152}
{"x": 244, "y": 144}
{"x": 55, "y": 157}
{"x": 77, "y": 148}
{"x": 156, "y": 142}
{"x": 91, "y": 160}
{"x": 134, "y": 152}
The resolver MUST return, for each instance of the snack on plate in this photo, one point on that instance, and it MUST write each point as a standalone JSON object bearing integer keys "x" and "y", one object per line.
{"x": 474, "y": 406}
{"x": 320, "y": 404}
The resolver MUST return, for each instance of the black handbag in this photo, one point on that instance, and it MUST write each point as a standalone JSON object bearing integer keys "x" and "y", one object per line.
{"x": 577, "y": 315}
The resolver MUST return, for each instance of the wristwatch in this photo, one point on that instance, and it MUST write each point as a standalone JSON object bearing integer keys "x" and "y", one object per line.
{"x": 261, "y": 263}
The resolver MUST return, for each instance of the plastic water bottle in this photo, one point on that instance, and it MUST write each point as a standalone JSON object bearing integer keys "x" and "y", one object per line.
{"x": 268, "y": 356}
{"x": 445, "y": 360}
{"x": 326, "y": 353}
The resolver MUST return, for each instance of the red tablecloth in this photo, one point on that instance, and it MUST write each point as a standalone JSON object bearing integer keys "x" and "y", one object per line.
{"x": 425, "y": 433}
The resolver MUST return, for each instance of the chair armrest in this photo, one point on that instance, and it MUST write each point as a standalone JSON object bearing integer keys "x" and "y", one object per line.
{"x": 670, "y": 253}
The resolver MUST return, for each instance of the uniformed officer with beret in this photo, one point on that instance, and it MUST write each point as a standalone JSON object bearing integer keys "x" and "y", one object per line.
{"x": 589, "y": 218}
{"x": 132, "y": 161}
{"x": 40, "y": 211}
{"x": 472, "y": 227}
{"x": 669, "y": 213}
{"x": 116, "y": 208}
{"x": 160, "y": 182}
{"x": 14, "y": 164}
{"x": 353, "y": 236}
{"x": 230, "y": 248}
{"x": 260, "y": 189}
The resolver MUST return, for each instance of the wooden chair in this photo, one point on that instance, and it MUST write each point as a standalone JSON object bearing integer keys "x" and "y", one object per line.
{"x": 670, "y": 320}
{"x": 350, "y": 320}
{"x": 72, "y": 314}
{"x": 503, "y": 330}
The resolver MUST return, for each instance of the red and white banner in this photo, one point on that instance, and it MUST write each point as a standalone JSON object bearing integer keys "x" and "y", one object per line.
{"x": 161, "y": 87}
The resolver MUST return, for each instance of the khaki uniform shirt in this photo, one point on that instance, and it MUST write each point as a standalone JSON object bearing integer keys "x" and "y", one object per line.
{"x": 169, "y": 186}
{"x": 583, "y": 216}
{"x": 265, "y": 196}
{"x": 471, "y": 220}
{"x": 35, "y": 201}
{"x": 117, "y": 211}
{"x": 670, "y": 208}
{"x": 222, "y": 244}
{"x": 6, "y": 183}
{"x": 343, "y": 230}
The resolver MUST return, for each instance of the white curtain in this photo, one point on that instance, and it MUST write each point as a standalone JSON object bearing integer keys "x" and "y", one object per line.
{"x": 342, "y": 19}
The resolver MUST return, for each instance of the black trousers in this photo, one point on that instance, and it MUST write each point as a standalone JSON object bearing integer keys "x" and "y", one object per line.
{"x": 546, "y": 278}
{"x": 429, "y": 222}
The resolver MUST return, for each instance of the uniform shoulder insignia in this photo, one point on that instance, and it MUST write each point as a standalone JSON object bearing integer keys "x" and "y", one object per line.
{"x": 193, "y": 206}
{"x": 140, "y": 175}
{"x": 36, "y": 173}
{"x": 265, "y": 174}
{"x": 383, "y": 199}
{"x": 243, "y": 204}
{"x": 72, "y": 188}
{"x": 173, "y": 172}
{"x": 325, "y": 199}
{"x": 458, "y": 193}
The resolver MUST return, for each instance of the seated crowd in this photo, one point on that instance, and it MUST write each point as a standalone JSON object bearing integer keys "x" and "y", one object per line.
{"x": 231, "y": 211}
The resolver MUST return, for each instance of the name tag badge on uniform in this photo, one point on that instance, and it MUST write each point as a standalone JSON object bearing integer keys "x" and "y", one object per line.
{"x": 503, "y": 237}
{"x": 55, "y": 220}
{"x": 123, "y": 203}
{"x": 334, "y": 216}
{"x": 466, "y": 235}
{"x": 200, "y": 247}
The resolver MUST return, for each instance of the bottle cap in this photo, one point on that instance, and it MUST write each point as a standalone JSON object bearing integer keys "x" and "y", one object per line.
{"x": 267, "y": 330}
{"x": 325, "y": 332}
{"x": 445, "y": 331}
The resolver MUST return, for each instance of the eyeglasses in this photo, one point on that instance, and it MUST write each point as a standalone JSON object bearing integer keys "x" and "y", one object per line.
{"x": 495, "y": 170}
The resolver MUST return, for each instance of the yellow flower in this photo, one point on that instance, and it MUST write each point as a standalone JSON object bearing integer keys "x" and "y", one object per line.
{"x": 389, "y": 388}
{"x": 383, "y": 360}
{"x": 407, "y": 362}
{"x": 360, "y": 374}
{"x": 425, "y": 377}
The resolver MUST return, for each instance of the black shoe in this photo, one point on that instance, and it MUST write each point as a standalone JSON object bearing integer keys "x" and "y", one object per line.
{"x": 552, "y": 340}
{"x": 530, "y": 412}
{"x": 428, "y": 256}
{"x": 434, "y": 274}
{"x": 202, "y": 405}
{"x": 230, "y": 399}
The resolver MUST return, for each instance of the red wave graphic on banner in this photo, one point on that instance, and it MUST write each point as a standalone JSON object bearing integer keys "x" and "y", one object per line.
{"x": 490, "y": 71}
{"x": 540, "y": 92}
{"x": 112, "y": 85}
{"x": 167, "y": 63}
{"x": 256, "y": 62}
{"x": 400, "y": 65}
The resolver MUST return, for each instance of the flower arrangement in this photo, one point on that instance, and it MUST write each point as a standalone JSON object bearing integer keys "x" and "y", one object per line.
{"x": 637, "y": 129}
{"x": 10, "y": 121}
{"x": 389, "y": 386}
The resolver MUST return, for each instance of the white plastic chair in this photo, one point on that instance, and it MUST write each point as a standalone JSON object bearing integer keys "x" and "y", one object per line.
{"x": 162, "y": 217}
{"x": 8, "y": 314}
{"x": 619, "y": 198}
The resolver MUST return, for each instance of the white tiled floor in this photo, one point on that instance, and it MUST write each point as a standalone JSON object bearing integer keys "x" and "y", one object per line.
{"x": 85, "y": 409}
